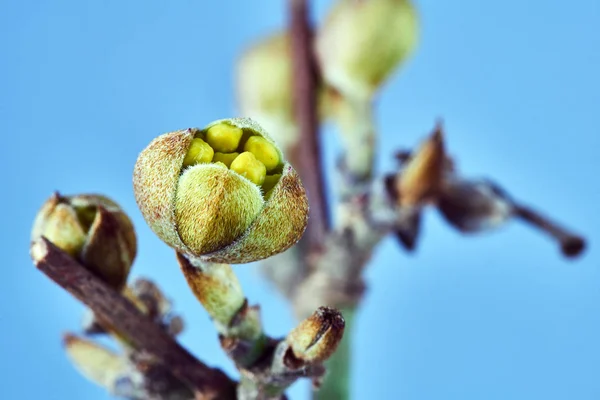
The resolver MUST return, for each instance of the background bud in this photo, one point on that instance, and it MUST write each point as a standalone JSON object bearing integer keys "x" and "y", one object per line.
{"x": 265, "y": 88}
{"x": 93, "y": 229}
{"x": 362, "y": 42}
{"x": 217, "y": 213}
{"x": 98, "y": 364}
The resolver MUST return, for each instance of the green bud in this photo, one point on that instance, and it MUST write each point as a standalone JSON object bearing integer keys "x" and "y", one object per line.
{"x": 215, "y": 213}
{"x": 362, "y": 42}
{"x": 93, "y": 229}
{"x": 265, "y": 88}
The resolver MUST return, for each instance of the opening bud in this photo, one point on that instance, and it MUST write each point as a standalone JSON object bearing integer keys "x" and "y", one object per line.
{"x": 226, "y": 209}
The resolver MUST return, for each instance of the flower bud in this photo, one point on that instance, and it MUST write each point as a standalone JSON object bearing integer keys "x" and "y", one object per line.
{"x": 265, "y": 90}
{"x": 316, "y": 338}
{"x": 217, "y": 213}
{"x": 362, "y": 42}
{"x": 93, "y": 229}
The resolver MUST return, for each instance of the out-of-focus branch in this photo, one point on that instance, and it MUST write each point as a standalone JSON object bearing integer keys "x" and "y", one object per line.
{"x": 570, "y": 243}
{"x": 308, "y": 160}
{"x": 112, "y": 308}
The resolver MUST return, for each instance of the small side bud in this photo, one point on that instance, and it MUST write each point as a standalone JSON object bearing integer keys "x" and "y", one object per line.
{"x": 96, "y": 363}
{"x": 93, "y": 229}
{"x": 316, "y": 338}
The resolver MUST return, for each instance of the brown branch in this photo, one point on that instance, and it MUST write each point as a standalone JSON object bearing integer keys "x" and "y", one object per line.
{"x": 109, "y": 306}
{"x": 308, "y": 150}
{"x": 570, "y": 243}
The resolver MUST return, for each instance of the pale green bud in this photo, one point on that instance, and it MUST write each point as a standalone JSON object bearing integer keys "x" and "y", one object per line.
{"x": 215, "y": 213}
{"x": 265, "y": 88}
{"x": 361, "y": 43}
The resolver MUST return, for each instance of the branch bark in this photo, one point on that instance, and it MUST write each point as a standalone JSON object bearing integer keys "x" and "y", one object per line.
{"x": 112, "y": 308}
{"x": 309, "y": 161}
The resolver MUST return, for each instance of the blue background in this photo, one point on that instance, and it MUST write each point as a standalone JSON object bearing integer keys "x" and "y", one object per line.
{"x": 85, "y": 85}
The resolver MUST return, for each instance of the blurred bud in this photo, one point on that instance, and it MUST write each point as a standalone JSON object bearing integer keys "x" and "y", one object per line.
{"x": 362, "y": 42}
{"x": 96, "y": 363}
{"x": 316, "y": 338}
{"x": 421, "y": 177}
{"x": 265, "y": 88}
{"x": 474, "y": 206}
{"x": 93, "y": 229}
{"x": 206, "y": 210}
{"x": 132, "y": 376}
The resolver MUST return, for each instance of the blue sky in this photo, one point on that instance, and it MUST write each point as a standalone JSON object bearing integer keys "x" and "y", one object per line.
{"x": 84, "y": 86}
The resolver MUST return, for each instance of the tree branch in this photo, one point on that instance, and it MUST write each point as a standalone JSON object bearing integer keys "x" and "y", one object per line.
{"x": 308, "y": 150}
{"x": 570, "y": 243}
{"x": 112, "y": 308}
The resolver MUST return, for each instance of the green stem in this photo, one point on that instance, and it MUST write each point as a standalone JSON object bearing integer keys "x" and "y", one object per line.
{"x": 336, "y": 384}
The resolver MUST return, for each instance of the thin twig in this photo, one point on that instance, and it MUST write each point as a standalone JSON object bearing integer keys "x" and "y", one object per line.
{"x": 309, "y": 154}
{"x": 112, "y": 308}
{"x": 570, "y": 243}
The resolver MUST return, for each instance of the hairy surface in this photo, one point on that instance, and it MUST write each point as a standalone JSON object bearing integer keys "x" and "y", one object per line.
{"x": 214, "y": 206}
{"x": 155, "y": 180}
{"x": 278, "y": 226}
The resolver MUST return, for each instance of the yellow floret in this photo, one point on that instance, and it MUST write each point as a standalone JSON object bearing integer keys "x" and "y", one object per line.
{"x": 224, "y": 138}
{"x": 220, "y": 164}
{"x": 199, "y": 152}
{"x": 248, "y": 166}
{"x": 270, "y": 182}
{"x": 264, "y": 151}
{"x": 225, "y": 158}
